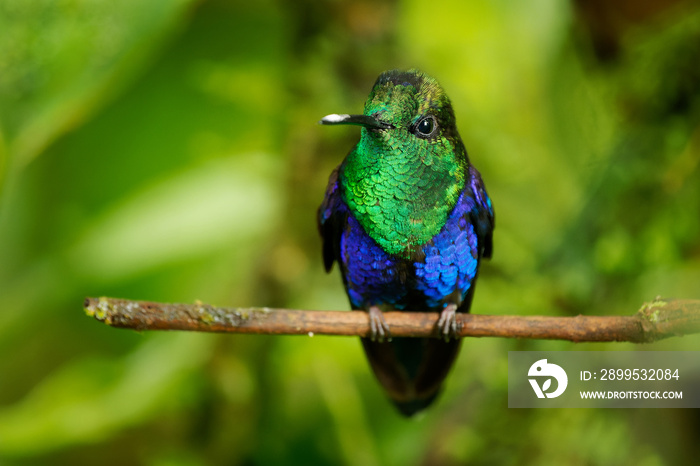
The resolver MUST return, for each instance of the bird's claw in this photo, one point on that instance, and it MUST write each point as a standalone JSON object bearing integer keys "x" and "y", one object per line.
{"x": 379, "y": 330}
{"x": 447, "y": 324}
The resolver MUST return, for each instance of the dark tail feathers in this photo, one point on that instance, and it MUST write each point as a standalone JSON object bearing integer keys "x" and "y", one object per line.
{"x": 409, "y": 408}
{"x": 411, "y": 370}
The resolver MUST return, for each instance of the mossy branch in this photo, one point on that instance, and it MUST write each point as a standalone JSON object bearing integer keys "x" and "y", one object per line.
{"x": 662, "y": 318}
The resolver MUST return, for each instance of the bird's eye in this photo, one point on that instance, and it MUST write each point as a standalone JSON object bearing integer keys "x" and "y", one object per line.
{"x": 426, "y": 126}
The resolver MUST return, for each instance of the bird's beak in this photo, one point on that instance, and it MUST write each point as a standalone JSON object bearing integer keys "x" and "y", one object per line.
{"x": 360, "y": 120}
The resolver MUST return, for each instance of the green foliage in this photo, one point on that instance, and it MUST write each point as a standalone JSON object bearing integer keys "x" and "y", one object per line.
{"x": 169, "y": 151}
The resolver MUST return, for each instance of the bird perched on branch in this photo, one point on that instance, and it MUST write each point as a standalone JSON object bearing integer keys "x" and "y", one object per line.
{"x": 408, "y": 220}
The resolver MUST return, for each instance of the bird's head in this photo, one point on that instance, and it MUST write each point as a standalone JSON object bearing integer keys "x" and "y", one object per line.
{"x": 406, "y": 112}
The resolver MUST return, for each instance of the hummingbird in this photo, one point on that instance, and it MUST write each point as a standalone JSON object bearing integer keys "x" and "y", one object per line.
{"x": 408, "y": 220}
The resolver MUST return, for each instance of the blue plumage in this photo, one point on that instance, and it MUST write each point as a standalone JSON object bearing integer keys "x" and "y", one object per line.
{"x": 450, "y": 260}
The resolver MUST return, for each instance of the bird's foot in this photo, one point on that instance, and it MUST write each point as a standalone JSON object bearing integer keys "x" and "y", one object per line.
{"x": 379, "y": 330}
{"x": 447, "y": 324}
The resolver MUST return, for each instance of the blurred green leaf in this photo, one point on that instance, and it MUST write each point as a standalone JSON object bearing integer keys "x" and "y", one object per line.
{"x": 196, "y": 212}
{"x": 91, "y": 398}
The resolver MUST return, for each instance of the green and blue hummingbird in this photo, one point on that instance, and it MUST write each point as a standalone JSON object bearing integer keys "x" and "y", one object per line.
{"x": 408, "y": 220}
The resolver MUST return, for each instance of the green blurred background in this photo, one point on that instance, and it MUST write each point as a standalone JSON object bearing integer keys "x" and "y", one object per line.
{"x": 169, "y": 150}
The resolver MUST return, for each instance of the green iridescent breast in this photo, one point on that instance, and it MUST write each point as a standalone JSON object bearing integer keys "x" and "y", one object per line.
{"x": 401, "y": 197}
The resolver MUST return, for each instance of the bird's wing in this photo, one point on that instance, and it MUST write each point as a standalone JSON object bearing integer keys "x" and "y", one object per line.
{"x": 482, "y": 215}
{"x": 330, "y": 221}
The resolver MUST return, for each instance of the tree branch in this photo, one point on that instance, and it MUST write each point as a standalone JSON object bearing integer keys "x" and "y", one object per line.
{"x": 662, "y": 318}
